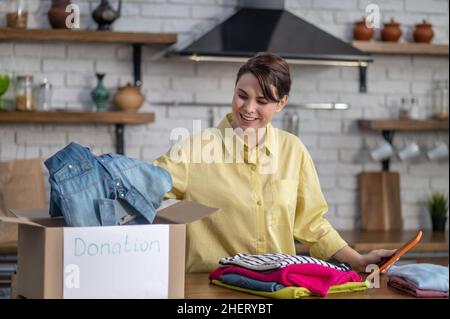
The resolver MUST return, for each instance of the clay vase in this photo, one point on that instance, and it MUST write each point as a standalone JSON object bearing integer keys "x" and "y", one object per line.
{"x": 100, "y": 95}
{"x": 423, "y": 32}
{"x": 361, "y": 32}
{"x": 57, "y": 14}
{"x": 129, "y": 98}
{"x": 391, "y": 31}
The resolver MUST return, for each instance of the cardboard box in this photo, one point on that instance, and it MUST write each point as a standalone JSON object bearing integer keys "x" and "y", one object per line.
{"x": 140, "y": 261}
{"x": 21, "y": 187}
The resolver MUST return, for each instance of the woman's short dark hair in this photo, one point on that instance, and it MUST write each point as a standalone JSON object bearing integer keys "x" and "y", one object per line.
{"x": 269, "y": 69}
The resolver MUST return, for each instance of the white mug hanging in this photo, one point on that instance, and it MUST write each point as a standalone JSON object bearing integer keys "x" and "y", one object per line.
{"x": 383, "y": 151}
{"x": 440, "y": 150}
{"x": 411, "y": 150}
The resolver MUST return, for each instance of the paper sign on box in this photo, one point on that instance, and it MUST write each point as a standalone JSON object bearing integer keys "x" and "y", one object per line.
{"x": 103, "y": 264}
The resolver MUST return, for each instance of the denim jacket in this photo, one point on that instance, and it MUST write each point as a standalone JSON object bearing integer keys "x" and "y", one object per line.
{"x": 105, "y": 190}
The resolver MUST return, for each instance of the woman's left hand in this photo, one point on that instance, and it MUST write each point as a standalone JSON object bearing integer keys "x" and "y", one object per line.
{"x": 374, "y": 257}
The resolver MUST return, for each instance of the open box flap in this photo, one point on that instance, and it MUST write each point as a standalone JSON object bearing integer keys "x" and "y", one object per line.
{"x": 18, "y": 220}
{"x": 183, "y": 212}
{"x": 33, "y": 217}
{"x": 30, "y": 214}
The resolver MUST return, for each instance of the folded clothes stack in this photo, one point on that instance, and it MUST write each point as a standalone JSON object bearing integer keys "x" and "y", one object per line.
{"x": 283, "y": 276}
{"x": 420, "y": 280}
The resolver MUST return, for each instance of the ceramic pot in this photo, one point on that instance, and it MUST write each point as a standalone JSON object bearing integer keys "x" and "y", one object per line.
{"x": 129, "y": 98}
{"x": 105, "y": 15}
{"x": 361, "y": 32}
{"x": 438, "y": 223}
{"x": 391, "y": 31}
{"x": 57, "y": 14}
{"x": 100, "y": 95}
{"x": 423, "y": 32}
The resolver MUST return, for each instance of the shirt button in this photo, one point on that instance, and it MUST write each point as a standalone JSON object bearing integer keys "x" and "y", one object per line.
{"x": 259, "y": 203}
{"x": 118, "y": 184}
{"x": 253, "y": 168}
{"x": 70, "y": 166}
{"x": 122, "y": 195}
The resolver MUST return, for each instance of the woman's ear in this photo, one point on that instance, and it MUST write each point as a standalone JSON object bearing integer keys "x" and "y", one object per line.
{"x": 282, "y": 103}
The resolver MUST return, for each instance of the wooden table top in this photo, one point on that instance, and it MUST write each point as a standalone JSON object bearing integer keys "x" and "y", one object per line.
{"x": 198, "y": 287}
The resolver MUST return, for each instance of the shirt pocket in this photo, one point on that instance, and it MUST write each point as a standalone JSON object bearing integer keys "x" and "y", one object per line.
{"x": 76, "y": 177}
{"x": 284, "y": 201}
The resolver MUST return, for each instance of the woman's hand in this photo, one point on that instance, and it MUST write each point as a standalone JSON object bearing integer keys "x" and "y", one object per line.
{"x": 360, "y": 262}
{"x": 373, "y": 257}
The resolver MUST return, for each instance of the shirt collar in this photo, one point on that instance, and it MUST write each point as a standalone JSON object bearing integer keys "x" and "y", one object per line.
{"x": 228, "y": 139}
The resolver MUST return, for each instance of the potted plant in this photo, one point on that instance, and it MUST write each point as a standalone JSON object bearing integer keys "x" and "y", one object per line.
{"x": 437, "y": 204}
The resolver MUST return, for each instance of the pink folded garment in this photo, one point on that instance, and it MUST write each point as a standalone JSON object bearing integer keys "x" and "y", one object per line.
{"x": 408, "y": 287}
{"x": 316, "y": 278}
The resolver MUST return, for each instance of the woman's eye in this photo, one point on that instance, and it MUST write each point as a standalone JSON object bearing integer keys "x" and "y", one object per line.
{"x": 242, "y": 96}
{"x": 262, "y": 102}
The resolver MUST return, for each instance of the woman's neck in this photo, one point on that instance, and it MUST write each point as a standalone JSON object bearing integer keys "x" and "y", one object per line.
{"x": 252, "y": 137}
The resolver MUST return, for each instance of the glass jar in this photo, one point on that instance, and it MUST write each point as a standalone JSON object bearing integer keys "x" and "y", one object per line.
{"x": 25, "y": 100}
{"x": 17, "y": 16}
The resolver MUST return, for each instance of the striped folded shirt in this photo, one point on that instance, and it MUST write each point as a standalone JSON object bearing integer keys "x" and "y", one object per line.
{"x": 266, "y": 262}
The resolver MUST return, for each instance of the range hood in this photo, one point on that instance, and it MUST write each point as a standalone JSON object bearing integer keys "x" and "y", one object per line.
{"x": 264, "y": 26}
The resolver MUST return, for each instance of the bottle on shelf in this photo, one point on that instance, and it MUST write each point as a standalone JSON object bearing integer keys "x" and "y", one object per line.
{"x": 415, "y": 111}
{"x": 404, "y": 111}
{"x": 44, "y": 96}
{"x": 440, "y": 100}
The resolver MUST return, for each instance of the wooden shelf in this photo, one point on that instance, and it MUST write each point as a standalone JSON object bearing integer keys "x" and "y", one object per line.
{"x": 401, "y": 48}
{"x": 77, "y": 117}
{"x": 404, "y": 125}
{"x": 87, "y": 36}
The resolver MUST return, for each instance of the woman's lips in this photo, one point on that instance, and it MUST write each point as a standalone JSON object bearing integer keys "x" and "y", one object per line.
{"x": 248, "y": 119}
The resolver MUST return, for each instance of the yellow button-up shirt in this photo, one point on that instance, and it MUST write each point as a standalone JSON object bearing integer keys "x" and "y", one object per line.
{"x": 265, "y": 204}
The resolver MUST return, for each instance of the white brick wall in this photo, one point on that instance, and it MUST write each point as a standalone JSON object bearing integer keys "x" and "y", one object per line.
{"x": 338, "y": 147}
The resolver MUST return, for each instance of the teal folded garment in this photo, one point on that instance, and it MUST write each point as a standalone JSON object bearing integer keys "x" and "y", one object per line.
{"x": 250, "y": 283}
{"x": 423, "y": 276}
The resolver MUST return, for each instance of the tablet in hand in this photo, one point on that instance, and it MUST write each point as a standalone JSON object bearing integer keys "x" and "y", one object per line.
{"x": 387, "y": 262}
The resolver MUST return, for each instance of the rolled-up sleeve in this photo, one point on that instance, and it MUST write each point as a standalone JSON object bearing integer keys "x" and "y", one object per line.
{"x": 178, "y": 167}
{"x": 310, "y": 226}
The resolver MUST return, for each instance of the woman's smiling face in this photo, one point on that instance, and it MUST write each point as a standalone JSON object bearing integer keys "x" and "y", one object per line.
{"x": 249, "y": 106}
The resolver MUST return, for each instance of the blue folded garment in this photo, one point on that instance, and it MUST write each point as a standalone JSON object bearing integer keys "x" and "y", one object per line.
{"x": 423, "y": 276}
{"x": 250, "y": 283}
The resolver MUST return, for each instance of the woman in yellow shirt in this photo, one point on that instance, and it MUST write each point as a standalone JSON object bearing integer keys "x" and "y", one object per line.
{"x": 263, "y": 180}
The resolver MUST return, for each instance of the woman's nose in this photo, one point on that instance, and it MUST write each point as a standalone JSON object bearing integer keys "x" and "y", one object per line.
{"x": 249, "y": 107}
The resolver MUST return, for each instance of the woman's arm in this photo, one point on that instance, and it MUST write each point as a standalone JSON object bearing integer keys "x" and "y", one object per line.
{"x": 360, "y": 262}
{"x": 178, "y": 167}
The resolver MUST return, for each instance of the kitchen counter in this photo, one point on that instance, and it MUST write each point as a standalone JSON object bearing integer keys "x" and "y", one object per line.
{"x": 364, "y": 242}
